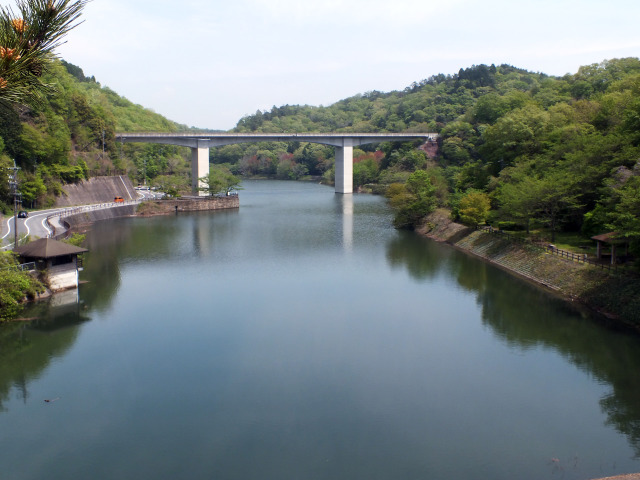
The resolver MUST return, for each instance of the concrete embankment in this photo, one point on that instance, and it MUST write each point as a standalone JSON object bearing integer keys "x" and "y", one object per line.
{"x": 188, "y": 204}
{"x": 617, "y": 297}
{"x": 86, "y": 218}
{"x": 97, "y": 190}
{"x": 150, "y": 208}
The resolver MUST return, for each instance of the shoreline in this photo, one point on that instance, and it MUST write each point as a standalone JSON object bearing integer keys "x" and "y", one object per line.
{"x": 612, "y": 298}
{"x": 615, "y": 299}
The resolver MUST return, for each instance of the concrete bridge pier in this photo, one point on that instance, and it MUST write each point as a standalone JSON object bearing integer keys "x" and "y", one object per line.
{"x": 344, "y": 167}
{"x": 199, "y": 166}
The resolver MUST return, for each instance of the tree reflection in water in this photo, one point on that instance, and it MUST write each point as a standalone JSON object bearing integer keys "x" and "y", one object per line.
{"x": 611, "y": 356}
{"x": 27, "y": 348}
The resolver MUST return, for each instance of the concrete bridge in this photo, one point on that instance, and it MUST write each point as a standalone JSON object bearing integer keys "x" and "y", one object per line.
{"x": 200, "y": 143}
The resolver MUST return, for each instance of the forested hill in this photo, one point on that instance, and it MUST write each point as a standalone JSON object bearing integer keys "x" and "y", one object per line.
{"x": 561, "y": 153}
{"x": 427, "y": 105}
{"x": 515, "y": 146}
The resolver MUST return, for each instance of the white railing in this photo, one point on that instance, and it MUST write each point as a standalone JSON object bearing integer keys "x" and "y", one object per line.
{"x": 70, "y": 211}
{"x": 23, "y": 267}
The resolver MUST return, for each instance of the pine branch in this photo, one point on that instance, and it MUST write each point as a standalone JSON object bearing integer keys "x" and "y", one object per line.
{"x": 27, "y": 44}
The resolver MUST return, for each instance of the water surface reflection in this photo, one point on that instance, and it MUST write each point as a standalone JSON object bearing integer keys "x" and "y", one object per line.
{"x": 302, "y": 336}
{"x": 579, "y": 336}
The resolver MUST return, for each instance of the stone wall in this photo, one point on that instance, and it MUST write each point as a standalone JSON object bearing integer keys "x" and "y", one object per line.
{"x": 188, "y": 204}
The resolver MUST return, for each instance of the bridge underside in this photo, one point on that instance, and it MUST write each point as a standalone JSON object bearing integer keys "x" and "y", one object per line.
{"x": 201, "y": 143}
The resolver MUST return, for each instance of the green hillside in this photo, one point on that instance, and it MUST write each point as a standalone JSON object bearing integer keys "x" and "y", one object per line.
{"x": 516, "y": 148}
{"x": 72, "y": 136}
{"x": 561, "y": 154}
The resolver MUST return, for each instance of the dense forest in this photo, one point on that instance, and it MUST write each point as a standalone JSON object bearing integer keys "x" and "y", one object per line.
{"x": 516, "y": 148}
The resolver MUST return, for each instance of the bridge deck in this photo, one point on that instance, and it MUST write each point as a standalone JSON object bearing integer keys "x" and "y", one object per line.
{"x": 193, "y": 140}
{"x": 200, "y": 143}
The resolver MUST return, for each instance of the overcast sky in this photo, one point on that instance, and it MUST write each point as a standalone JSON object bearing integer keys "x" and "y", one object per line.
{"x": 207, "y": 63}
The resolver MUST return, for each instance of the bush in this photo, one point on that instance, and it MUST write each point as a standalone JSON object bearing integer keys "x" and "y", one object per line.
{"x": 474, "y": 208}
{"x": 15, "y": 286}
{"x": 511, "y": 226}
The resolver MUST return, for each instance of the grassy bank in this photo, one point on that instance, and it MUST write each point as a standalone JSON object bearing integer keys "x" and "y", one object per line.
{"x": 614, "y": 295}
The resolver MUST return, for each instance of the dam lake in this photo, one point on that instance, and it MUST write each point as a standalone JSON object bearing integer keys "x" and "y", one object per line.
{"x": 302, "y": 337}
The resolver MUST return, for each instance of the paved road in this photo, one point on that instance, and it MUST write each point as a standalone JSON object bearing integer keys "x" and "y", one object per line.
{"x": 36, "y": 225}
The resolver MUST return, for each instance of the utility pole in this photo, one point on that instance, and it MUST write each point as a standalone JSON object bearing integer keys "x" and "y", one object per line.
{"x": 13, "y": 183}
{"x": 34, "y": 203}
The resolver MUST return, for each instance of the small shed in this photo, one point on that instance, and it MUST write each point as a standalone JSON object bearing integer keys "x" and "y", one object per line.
{"x": 612, "y": 241}
{"x": 58, "y": 259}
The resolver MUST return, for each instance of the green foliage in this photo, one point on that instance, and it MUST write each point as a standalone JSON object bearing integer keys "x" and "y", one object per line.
{"x": 545, "y": 150}
{"x": 625, "y": 217}
{"x": 220, "y": 180}
{"x": 413, "y": 200}
{"x": 551, "y": 151}
{"x": 28, "y": 40}
{"x": 474, "y": 208}
{"x": 15, "y": 286}
{"x": 75, "y": 239}
{"x": 172, "y": 185}
{"x": 70, "y": 136}
{"x": 32, "y": 189}
{"x": 365, "y": 172}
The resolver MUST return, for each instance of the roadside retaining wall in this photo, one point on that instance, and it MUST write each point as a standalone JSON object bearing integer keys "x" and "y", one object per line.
{"x": 97, "y": 190}
{"x": 86, "y": 218}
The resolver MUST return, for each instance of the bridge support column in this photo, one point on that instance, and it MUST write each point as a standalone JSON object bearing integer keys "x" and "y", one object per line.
{"x": 199, "y": 166}
{"x": 344, "y": 167}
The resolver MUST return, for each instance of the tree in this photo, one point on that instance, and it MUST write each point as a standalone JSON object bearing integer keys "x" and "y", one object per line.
{"x": 557, "y": 196}
{"x": 518, "y": 199}
{"x": 526, "y": 195}
{"x": 219, "y": 180}
{"x": 364, "y": 171}
{"x": 31, "y": 189}
{"x": 625, "y": 218}
{"x": 474, "y": 208}
{"x": 519, "y": 133}
{"x": 27, "y": 43}
{"x": 172, "y": 185}
{"x": 413, "y": 200}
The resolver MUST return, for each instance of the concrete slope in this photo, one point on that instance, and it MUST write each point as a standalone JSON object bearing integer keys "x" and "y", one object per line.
{"x": 97, "y": 190}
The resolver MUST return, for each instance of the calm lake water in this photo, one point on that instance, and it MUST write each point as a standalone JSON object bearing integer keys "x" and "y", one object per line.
{"x": 302, "y": 337}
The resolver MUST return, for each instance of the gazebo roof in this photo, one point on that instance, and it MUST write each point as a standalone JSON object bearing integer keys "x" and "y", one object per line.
{"x": 610, "y": 237}
{"x": 47, "y": 248}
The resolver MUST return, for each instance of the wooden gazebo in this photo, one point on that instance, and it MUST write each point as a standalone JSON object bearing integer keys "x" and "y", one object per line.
{"x": 612, "y": 241}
